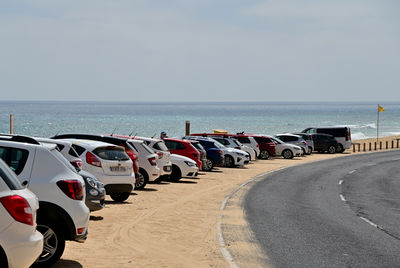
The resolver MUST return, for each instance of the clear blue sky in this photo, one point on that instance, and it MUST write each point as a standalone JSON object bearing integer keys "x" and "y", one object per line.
{"x": 200, "y": 50}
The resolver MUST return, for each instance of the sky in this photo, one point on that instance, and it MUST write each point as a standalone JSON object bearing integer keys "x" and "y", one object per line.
{"x": 200, "y": 50}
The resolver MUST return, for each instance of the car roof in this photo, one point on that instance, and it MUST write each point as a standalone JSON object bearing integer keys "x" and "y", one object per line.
{"x": 176, "y": 139}
{"x": 48, "y": 140}
{"x": 289, "y": 134}
{"x": 90, "y": 144}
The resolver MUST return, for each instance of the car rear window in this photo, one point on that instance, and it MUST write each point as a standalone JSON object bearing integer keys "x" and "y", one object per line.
{"x": 60, "y": 157}
{"x": 336, "y": 132}
{"x": 243, "y": 139}
{"x": 111, "y": 153}
{"x": 160, "y": 146}
{"x": 147, "y": 148}
{"x": 9, "y": 177}
{"x": 198, "y": 146}
{"x": 80, "y": 150}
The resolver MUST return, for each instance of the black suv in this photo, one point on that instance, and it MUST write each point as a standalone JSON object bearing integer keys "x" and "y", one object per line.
{"x": 325, "y": 143}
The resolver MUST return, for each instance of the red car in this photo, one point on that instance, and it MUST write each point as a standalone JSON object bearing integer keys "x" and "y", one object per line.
{"x": 185, "y": 148}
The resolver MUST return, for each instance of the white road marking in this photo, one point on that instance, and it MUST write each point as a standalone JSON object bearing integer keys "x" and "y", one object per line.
{"x": 369, "y": 222}
{"x": 351, "y": 172}
{"x": 342, "y": 198}
{"x": 340, "y": 182}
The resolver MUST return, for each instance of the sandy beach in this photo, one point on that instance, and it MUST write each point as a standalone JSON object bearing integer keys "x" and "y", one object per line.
{"x": 175, "y": 224}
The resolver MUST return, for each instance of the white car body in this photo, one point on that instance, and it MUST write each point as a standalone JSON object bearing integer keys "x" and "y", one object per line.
{"x": 188, "y": 168}
{"x": 234, "y": 143}
{"x": 42, "y": 170}
{"x": 163, "y": 160}
{"x": 281, "y": 146}
{"x": 20, "y": 241}
{"x": 239, "y": 157}
{"x": 295, "y": 140}
{"x": 250, "y": 142}
{"x": 146, "y": 155}
{"x": 112, "y": 173}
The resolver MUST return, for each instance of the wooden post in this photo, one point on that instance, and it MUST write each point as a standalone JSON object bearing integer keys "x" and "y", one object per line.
{"x": 187, "y": 129}
{"x": 375, "y": 145}
{"x": 354, "y": 148}
{"x": 380, "y": 145}
{"x": 397, "y": 144}
{"x": 370, "y": 146}
{"x": 387, "y": 145}
{"x": 392, "y": 144}
{"x": 11, "y": 124}
{"x": 364, "y": 146}
{"x": 359, "y": 147}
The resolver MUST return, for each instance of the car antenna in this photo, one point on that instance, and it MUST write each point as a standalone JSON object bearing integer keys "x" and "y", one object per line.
{"x": 153, "y": 135}
{"x": 113, "y": 131}
{"x": 132, "y": 133}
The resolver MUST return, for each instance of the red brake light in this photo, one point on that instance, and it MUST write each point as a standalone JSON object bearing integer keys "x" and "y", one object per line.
{"x": 91, "y": 159}
{"x": 132, "y": 155}
{"x": 72, "y": 188}
{"x": 219, "y": 152}
{"x": 160, "y": 154}
{"x": 80, "y": 230}
{"x": 305, "y": 143}
{"x": 77, "y": 164}
{"x": 18, "y": 208}
{"x": 152, "y": 161}
{"x": 237, "y": 147}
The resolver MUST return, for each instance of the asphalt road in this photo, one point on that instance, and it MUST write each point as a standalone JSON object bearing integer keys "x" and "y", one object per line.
{"x": 344, "y": 212}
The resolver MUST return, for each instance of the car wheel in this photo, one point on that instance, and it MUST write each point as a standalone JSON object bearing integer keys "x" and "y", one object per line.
{"x": 229, "y": 161}
{"x": 287, "y": 154}
{"x": 3, "y": 258}
{"x": 340, "y": 148}
{"x": 331, "y": 149}
{"x": 119, "y": 197}
{"x": 264, "y": 154}
{"x": 176, "y": 173}
{"x": 209, "y": 165}
{"x": 304, "y": 151}
{"x": 142, "y": 181}
{"x": 53, "y": 244}
{"x": 309, "y": 150}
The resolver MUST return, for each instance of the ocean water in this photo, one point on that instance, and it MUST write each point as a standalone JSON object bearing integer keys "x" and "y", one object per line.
{"x": 149, "y": 119}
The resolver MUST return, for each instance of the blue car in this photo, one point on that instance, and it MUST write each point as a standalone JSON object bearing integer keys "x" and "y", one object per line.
{"x": 215, "y": 156}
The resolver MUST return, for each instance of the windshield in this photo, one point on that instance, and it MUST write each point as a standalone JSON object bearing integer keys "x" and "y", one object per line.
{"x": 160, "y": 146}
{"x": 219, "y": 145}
{"x": 148, "y": 149}
{"x": 9, "y": 177}
{"x": 238, "y": 143}
{"x": 276, "y": 140}
{"x": 198, "y": 146}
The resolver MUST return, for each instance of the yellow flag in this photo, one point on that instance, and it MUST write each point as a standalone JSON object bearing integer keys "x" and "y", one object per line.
{"x": 380, "y": 108}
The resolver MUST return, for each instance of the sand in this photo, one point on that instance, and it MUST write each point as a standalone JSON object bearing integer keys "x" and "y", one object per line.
{"x": 175, "y": 224}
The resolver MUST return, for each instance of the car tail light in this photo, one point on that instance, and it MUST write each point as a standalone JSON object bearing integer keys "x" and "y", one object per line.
{"x": 71, "y": 188}
{"x": 258, "y": 146}
{"x": 77, "y": 164}
{"x": 305, "y": 143}
{"x": 153, "y": 161}
{"x": 196, "y": 155}
{"x": 219, "y": 152}
{"x": 132, "y": 155}
{"x": 80, "y": 230}
{"x": 347, "y": 135}
{"x": 160, "y": 155}
{"x": 18, "y": 208}
{"x": 91, "y": 159}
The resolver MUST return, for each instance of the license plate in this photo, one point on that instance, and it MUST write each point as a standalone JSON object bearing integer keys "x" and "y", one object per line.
{"x": 118, "y": 169}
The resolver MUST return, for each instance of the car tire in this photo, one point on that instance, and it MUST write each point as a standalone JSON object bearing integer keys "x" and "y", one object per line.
{"x": 304, "y": 151}
{"x": 264, "y": 154}
{"x": 287, "y": 154}
{"x": 331, "y": 149}
{"x": 143, "y": 180}
{"x": 209, "y": 165}
{"x": 3, "y": 259}
{"x": 340, "y": 148}
{"x": 120, "y": 197}
{"x": 53, "y": 244}
{"x": 309, "y": 150}
{"x": 229, "y": 161}
{"x": 176, "y": 173}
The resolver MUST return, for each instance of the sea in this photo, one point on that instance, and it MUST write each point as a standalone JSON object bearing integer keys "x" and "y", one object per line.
{"x": 48, "y": 118}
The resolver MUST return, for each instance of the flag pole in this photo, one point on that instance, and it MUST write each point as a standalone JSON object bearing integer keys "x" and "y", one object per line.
{"x": 377, "y": 127}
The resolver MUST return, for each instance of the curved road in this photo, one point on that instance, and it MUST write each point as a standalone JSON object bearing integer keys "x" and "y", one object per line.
{"x": 344, "y": 212}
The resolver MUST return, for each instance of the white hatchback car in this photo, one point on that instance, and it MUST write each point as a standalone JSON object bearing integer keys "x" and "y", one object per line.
{"x": 110, "y": 164}
{"x": 183, "y": 166}
{"x": 20, "y": 242}
{"x": 62, "y": 214}
{"x": 232, "y": 157}
{"x": 233, "y": 143}
{"x": 163, "y": 161}
{"x": 286, "y": 150}
{"x": 295, "y": 140}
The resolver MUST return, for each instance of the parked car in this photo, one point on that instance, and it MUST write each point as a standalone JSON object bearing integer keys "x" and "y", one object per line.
{"x": 341, "y": 134}
{"x": 233, "y": 157}
{"x": 62, "y": 213}
{"x": 215, "y": 156}
{"x": 266, "y": 145}
{"x": 286, "y": 150}
{"x": 308, "y": 138}
{"x": 295, "y": 140}
{"x": 183, "y": 147}
{"x": 203, "y": 153}
{"x": 183, "y": 166}
{"x": 325, "y": 143}
{"x": 20, "y": 242}
{"x": 95, "y": 192}
{"x": 231, "y": 142}
{"x": 163, "y": 161}
{"x": 242, "y": 138}
{"x": 147, "y": 162}
{"x": 110, "y": 164}
{"x": 131, "y": 152}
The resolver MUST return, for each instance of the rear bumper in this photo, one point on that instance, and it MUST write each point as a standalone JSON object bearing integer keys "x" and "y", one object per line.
{"x": 107, "y": 180}
{"x": 118, "y": 188}
{"x": 166, "y": 170}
